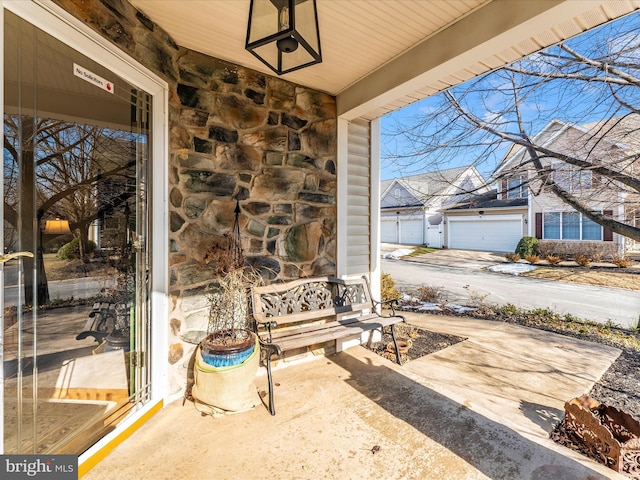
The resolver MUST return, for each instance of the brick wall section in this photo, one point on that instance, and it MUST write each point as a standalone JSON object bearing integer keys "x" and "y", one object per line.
{"x": 235, "y": 134}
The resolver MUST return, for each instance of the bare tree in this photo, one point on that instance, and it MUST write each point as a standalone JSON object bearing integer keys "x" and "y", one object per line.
{"x": 54, "y": 168}
{"x": 503, "y": 122}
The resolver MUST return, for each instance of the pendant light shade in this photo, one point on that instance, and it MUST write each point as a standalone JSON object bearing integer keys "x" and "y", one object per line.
{"x": 57, "y": 226}
{"x": 283, "y": 34}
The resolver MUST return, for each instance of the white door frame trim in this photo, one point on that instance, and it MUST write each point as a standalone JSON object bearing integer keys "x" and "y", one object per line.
{"x": 59, "y": 23}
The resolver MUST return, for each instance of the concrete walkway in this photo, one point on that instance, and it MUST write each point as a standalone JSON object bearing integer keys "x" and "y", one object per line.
{"x": 477, "y": 410}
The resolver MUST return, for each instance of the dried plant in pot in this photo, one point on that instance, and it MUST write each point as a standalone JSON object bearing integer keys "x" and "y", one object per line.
{"x": 230, "y": 339}
{"x": 227, "y": 359}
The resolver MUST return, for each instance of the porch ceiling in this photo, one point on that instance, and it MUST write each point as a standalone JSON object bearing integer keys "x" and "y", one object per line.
{"x": 381, "y": 55}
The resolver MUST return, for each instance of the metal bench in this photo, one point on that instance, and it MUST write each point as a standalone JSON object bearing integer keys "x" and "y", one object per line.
{"x": 101, "y": 321}
{"x": 312, "y": 311}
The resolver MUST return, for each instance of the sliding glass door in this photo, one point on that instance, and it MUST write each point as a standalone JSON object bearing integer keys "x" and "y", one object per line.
{"x": 74, "y": 336}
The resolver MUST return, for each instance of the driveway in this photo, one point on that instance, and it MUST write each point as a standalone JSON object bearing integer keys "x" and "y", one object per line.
{"x": 464, "y": 277}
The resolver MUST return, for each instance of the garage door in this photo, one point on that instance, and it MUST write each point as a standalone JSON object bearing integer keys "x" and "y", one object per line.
{"x": 388, "y": 230}
{"x": 405, "y": 230}
{"x": 411, "y": 231}
{"x": 492, "y": 233}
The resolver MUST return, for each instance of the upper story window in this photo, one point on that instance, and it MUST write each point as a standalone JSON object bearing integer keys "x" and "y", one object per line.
{"x": 571, "y": 178}
{"x": 517, "y": 187}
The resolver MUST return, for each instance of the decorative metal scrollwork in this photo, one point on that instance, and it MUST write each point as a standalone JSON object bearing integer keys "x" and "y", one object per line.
{"x": 312, "y": 296}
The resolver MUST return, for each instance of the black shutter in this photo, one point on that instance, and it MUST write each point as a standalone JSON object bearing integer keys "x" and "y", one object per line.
{"x": 607, "y": 235}
{"x": 538, "y": 224}
{"x": 503, "y": 188}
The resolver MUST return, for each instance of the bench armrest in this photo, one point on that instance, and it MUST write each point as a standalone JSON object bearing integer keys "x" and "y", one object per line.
{"x": 390, "y": 303}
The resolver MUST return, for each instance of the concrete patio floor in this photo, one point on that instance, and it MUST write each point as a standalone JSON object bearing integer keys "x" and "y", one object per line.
{"x": 482, "y": 408}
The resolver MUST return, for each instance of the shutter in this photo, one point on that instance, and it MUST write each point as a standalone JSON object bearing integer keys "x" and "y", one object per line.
{"x": 538, "y": 224}
{"x": 607, "y": 235}
{"x": 503, "y": 188}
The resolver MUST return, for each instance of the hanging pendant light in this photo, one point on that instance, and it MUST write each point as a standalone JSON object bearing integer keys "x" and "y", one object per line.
{"x": 283, "y": 34}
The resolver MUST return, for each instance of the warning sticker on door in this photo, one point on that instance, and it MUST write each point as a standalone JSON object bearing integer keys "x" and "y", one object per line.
{"x": 91, "y": 77}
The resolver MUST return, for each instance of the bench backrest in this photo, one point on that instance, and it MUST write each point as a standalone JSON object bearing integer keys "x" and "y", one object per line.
{"x": 309, "y": 299}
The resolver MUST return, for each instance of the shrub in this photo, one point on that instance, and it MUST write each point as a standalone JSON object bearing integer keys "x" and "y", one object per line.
{"x": 553, "y": 259}
{"x": 71, "y": 250}
{"x": 527, "y": 246}
{"x": 582, "y": 260}
{"x": 512, "y": 257}
{"x": 622, "y": 262}
{"x": 427, "y": 293}
{"x": 566, "y": 250}
{"x": 532, "y": 258}
{"x": 388, "y": 290}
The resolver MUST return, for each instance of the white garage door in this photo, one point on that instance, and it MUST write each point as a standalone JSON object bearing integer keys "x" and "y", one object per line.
{"x": 403, "y": 229}
{"x": 498, "y": 233}
{"x": 388, "y": 230}
{"x": 411, "y": 231}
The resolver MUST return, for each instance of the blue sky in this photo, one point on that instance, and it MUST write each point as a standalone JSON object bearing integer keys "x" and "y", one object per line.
{"x": 580, "y": 103}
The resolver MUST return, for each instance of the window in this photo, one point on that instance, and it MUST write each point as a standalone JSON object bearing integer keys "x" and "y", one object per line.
{"x": 569, "y": 226}
{"x": 517, "y": 187}
{"x": 552, "y": 226}
{"x": 571, "y": 178}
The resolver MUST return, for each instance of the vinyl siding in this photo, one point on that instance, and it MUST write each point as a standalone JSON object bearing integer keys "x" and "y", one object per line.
{"x": 359, "y": 198}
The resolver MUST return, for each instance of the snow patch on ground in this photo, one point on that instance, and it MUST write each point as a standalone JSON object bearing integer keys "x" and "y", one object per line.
{"x": 412, "y": 304}
{"x": 396, "y": 254}
{"x": 512, "y": 268}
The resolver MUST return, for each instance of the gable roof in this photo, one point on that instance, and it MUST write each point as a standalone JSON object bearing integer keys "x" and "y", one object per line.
{"x": 426, "y": 186}
{"x": 620, "y": 132}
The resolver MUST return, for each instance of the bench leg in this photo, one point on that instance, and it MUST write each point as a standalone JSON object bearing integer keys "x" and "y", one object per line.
{"x": 272, "y": 408}
{"x": 395, "y": 344}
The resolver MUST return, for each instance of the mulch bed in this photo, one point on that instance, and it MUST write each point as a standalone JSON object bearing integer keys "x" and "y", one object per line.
{"x": 423, "y": 342}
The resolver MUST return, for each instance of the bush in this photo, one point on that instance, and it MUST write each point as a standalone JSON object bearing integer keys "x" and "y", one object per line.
{"x": 568, "y": 250}
{"x": 427, "y": 293}
{"x": 388, "y": 290}
{"x": 532, "y": 258}
{"x": 582, "y": 260}
{"x": 622, "y": 262}
{"x": 71, "y": 250}
{"x": 553, "y": 259}
{"x": 527, "y": 246}
{"x": 512, "y": 257}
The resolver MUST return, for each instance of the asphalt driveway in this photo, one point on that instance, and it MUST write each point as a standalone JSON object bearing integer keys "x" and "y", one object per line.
{"x": 465, "y": 280}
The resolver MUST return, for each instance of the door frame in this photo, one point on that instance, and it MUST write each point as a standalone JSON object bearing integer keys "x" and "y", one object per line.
{"x": 52, "y": 19}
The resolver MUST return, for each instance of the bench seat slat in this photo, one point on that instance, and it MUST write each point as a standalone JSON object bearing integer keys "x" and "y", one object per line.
{"x": 331, "y": 331}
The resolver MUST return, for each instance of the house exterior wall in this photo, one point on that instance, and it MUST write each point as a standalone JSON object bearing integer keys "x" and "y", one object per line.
{"x": 235, "y": 135}
{"x": 398, "y": 196}
{"x": 596, "y": 193}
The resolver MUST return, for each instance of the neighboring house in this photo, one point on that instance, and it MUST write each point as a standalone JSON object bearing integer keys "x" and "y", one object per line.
{"x": 548, "y": 217}
{"x": 411, "y": 207}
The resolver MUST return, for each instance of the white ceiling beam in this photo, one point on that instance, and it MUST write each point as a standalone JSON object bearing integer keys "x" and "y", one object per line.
{"x": 492, "y": 28}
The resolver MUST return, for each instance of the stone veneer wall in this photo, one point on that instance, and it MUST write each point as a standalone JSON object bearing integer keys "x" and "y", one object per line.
{"x": 235, "y": 135}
